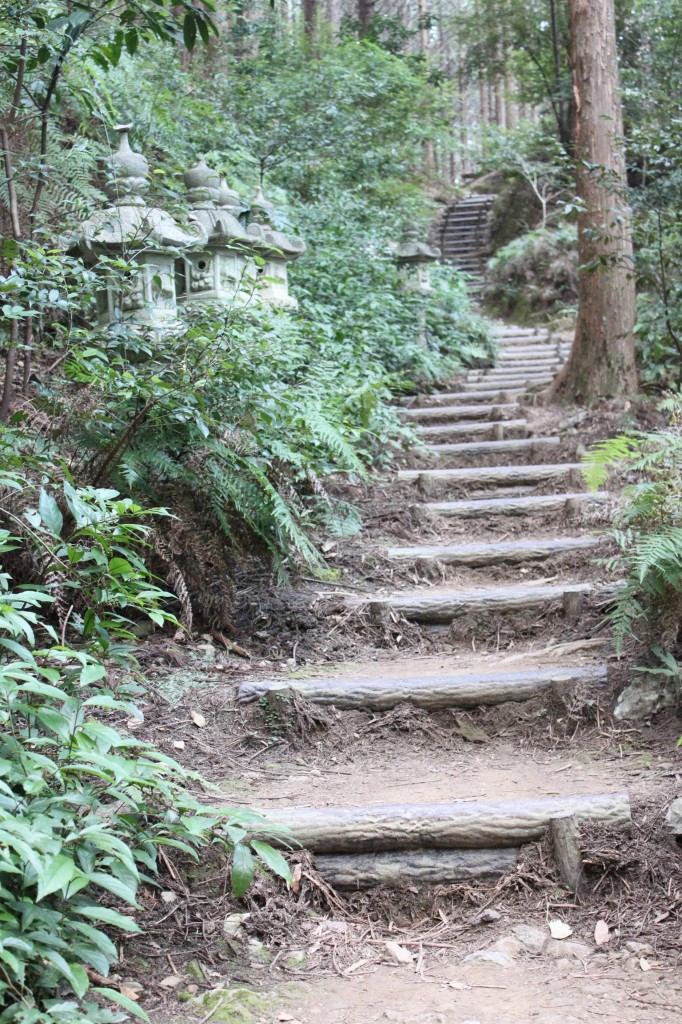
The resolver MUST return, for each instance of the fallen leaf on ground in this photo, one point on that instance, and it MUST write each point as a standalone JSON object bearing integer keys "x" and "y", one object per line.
{"x": 296, "y": 878}
{"x": 198, "y": 719}
{"x": 172, "y": 981}
{"x": 645, "y": 964}
{"x": 559, "y": 929}
{"x": 470, "y": 732}
{"x": 132, "y": 990}
{"x": 601, "y": 933}
{"x": 457, "y": 985}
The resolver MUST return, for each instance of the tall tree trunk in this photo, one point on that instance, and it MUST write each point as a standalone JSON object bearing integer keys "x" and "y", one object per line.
{"x": 309, "y": 16}
{"x": 602, "y": 362}
{"x": 365, "y": 12}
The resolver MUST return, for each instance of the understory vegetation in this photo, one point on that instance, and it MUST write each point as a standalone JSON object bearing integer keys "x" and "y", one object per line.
{"x": 139, "y": 470}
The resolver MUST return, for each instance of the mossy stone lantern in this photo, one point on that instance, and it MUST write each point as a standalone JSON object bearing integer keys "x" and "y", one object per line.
{"x": 414, "y": 258}
{"x": 276, "y": 250}
{"x": 144, "y": 235}
{"x": 215, "y": 273}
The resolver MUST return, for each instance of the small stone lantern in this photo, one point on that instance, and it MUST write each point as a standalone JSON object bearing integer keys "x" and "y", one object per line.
{"x": 414, "y": 257}
{"x": 276, "y": 249}
{"x": 214, "y": 274}
{"x": 140, "y": 234}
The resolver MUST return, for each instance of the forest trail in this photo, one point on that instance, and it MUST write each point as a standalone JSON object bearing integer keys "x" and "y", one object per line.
{"x": 482, "y": 472}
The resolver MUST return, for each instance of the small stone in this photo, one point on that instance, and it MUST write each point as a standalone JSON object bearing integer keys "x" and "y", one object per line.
{"x": 315, "y": 772}
{"x": 639, "y": 947}
{"x": 566, "y": 947}
{"x": 233, "y": 925}
{"x": 641, "y": 700}
{"x": 532, "y": 937}
{"x": 487, "y": 916}
{"x": 507, "y": 944}
{"x": 490, "y": 956}
{"x": 674, "y": 817}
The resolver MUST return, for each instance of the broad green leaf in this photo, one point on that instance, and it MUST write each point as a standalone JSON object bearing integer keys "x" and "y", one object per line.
{"x": 273, "y": 858}
{"x": 50, "y": 513}
{"x": 243, "y": 869}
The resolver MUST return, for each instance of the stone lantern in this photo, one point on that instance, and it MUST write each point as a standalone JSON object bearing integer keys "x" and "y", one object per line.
{"x": 216, "y": 272}
{"x": 414, "y": 257}
{"x": 276, "y": 250}
{"x": 144, "y": 235}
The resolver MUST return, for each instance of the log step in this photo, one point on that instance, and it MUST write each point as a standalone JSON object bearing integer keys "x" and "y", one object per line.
{"x": 527, "y": 505}
{"x": 432, "y": 692}
{"x": 469, "y": 824}
{"x": 493, "y": 474}
{"x": 457, "y": 429}
{"x": 394, "y": 869}
{"x": 455, "y": 397}
{"x": 462, "y": 412}
{"x": 504, "y": 385}
{"x": 442, "y": 605}
{"x": 494, "y": 553}
{"x": 514, "y": 444}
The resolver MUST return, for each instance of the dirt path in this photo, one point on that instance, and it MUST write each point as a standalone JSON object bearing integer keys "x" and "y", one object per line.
{"x": 483, "y": 696}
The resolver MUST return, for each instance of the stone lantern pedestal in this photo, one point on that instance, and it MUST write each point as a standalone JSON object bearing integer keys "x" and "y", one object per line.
{"x": 275, "y": 250}
{"x": 142, "y": 235}
{"x": 217, "y": 273}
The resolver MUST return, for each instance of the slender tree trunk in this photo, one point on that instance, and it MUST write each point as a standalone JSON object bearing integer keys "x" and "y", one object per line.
{"x": 602, "y": 362}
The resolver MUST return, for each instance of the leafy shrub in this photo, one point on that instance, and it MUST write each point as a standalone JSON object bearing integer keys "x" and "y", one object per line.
{"x": 534, "y": 274}
{"x": 647, "y": 530}
{"x": 84, "y": 808}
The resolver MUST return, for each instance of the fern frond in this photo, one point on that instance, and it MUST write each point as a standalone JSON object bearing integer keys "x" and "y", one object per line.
{"x": 604, "y": 454}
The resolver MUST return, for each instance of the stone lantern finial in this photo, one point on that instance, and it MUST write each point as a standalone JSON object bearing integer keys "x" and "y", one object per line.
{"x": 203, "y": 184}
{"x": 261, "y": 208}
{"x": 130, "y": 170}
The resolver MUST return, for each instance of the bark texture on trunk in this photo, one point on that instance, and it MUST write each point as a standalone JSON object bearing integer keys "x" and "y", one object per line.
{"x": 602, "y": 361}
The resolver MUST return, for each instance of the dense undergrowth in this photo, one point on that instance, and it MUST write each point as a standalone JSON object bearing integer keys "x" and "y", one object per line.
{"x": 137, "y": 471}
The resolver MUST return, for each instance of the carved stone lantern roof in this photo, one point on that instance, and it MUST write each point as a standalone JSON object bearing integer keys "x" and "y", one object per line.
{"x": 267, "y": 240}
{"x": 410, "y": 250}
{"x": 215, "y": 206}
{"x": 129, "y": 223}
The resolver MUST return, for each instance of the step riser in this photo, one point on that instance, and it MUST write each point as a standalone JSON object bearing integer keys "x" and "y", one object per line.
{"x": 487, "y": 395}
{"x": 462, "y": 825}
{"x": 525, "y": 445}
{"x": 458, "y": 430}
{"x": 477, "y": 555}
{"x": 429, "y": 692}
{"x": 396, "y": 869}
{"x": 530, "y": 505}
{"x": 431, "y": 608}
{"x": 461, "y": 412}
{"x": 508, "y": 475}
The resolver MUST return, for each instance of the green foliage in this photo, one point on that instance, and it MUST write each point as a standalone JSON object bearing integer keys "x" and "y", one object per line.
{"x": 535, "y": 274}
{"x": 647, "y": 530}
{"x": 84, "y": 807}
